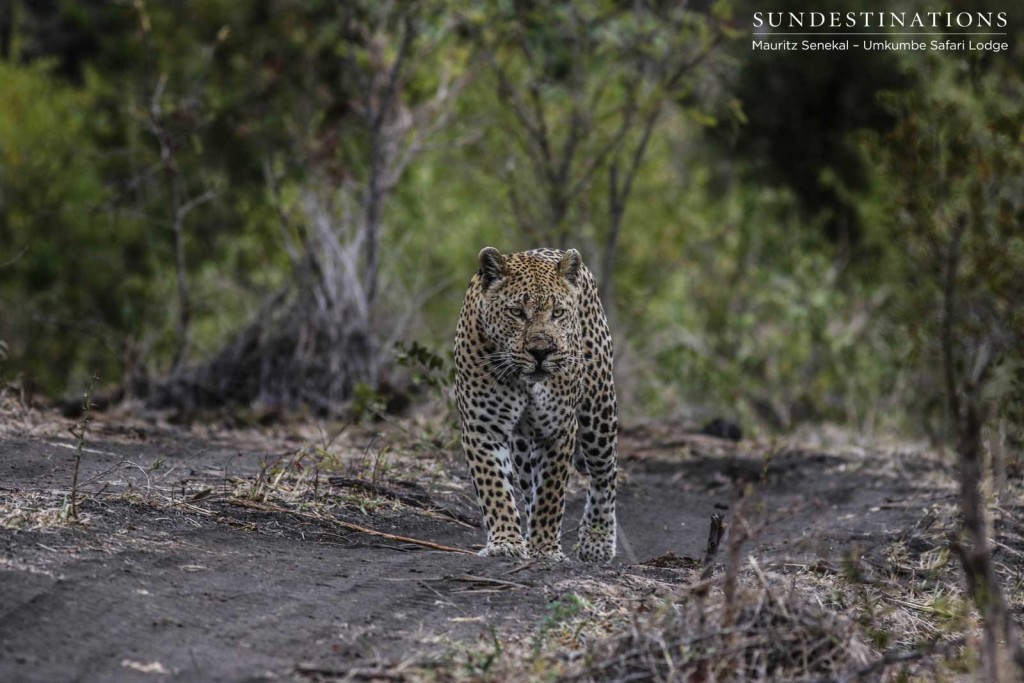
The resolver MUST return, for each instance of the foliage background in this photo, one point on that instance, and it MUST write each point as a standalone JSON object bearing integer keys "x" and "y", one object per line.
{"x": 780, "y": 255}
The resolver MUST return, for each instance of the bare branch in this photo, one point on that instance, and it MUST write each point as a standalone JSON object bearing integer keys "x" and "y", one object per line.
{"x": 185, "y": 209}
{"x": 949, "y": 296}
{"x": 397, "y": 71}
{"x": 15, "y": 257}
{"x": 284, "y": 223}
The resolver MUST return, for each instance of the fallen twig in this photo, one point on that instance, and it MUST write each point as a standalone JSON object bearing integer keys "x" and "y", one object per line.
{"x": 470, "y": 578}
{"x": 525, "y": 565}
{"x": 270, "y": 507}
{"x": 420, "y": 501}
{"x": 349, "y": 674}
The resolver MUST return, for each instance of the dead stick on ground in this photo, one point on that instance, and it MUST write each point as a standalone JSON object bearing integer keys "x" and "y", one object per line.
{"x": 79, "y": 432}
{"x": 268, "y": 507}
{"x": 715, "y": 534}
{"x": 421, "y": 502}
{"x": 470, "y": 578}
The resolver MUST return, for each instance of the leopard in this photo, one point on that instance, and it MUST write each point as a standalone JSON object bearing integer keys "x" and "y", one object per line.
{"x": 536, "y": 396}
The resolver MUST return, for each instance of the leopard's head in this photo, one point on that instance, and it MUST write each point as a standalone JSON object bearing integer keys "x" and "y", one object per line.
{"x": 529, "y": 314}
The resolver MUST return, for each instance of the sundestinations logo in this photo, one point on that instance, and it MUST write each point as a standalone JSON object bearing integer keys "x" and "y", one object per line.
{"x": 829, "y": 31}
{"x": 880, "y": 19}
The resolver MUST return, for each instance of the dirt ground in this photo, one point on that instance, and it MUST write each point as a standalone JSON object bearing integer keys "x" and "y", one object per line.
{"x": 230, "y": 555}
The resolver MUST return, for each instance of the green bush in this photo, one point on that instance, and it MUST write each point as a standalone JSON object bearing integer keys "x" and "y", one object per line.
{"x": 73, "y": 270}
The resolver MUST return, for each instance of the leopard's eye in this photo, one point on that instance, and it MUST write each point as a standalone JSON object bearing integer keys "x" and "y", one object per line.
{"x": 517, "y": 313}
{"x": 557, "y": 313}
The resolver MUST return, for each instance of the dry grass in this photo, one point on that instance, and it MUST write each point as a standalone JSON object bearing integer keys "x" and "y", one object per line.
{"x": 295, "y": 481}
{"x": 34, "y": 510}
{"x": 772, "y": 632}
{"x": 895, "y": 613}
{"x": 775, "y": 627}
{"x": 18, "y": 419}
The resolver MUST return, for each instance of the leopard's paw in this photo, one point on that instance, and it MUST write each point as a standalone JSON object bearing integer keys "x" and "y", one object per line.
{"x": 504, "y": 549}
{"x": 549, "y": 554}
{"x": 595, "y": 544}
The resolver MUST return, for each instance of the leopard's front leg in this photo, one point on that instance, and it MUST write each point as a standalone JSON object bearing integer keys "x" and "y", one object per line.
{"x": 548, "y": 500}
{"x": 597, "y": 528}
{"x": 491, "y": 469}
{"x": 597, "y": 437}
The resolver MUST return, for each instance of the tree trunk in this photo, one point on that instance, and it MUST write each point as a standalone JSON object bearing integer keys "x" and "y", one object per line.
{"x": 184, "y": 300}
{"x": 966, "y": 414}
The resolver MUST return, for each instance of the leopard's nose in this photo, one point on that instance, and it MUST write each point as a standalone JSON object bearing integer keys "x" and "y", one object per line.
{"x": 540, "y": 354}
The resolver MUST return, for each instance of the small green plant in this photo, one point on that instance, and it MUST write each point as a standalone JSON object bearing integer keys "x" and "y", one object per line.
{"x": 289, "y": 477}
{"x": 950, "y": 612}
{"x": 374, "y": 465}
{"x": 367, "y": 402}
{"x": 434, "y": 375}
{"x": 428, "y": 369}
{"x": 559, "y": 612}
{"x": 480, "y": 664}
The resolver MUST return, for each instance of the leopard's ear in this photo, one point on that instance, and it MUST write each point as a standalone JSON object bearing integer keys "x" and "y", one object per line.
{"x": 569, "y": 265}
{"x": 492, "y": 265}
